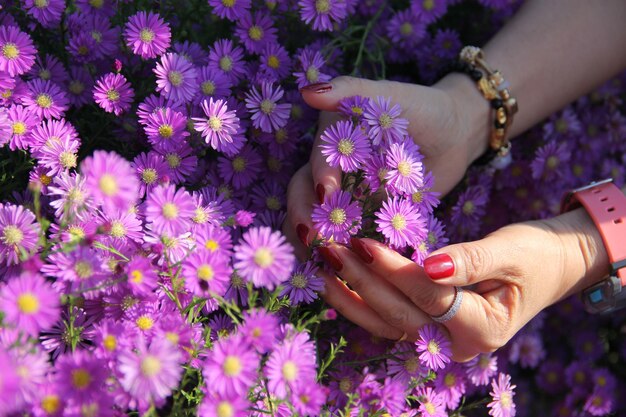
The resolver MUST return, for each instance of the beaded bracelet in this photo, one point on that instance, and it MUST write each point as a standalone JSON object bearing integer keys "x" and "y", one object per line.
{"x": 494, "y": 88}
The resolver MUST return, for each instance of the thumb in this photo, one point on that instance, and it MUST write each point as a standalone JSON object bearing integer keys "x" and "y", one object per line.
{"x": 469, "y": 263}
{"x": 326, "y": 96}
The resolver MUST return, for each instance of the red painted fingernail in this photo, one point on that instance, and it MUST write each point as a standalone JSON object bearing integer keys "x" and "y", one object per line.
{"x": 331, "y": 257}
{"x": 439, "y": 266}
{"x": 360, "y": 248}
{"x": 303, "y": 234}
{"x": 318, "y": 88}
{"x": 321, "y": 192}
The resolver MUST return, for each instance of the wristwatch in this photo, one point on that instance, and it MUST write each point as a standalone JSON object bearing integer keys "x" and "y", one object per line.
{"x": 606, "y": 205}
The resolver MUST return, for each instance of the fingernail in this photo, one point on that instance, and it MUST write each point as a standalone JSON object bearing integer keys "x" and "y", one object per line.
{"x": 303, "y": 234}
{"x": 439, "y": 266}
{"x": 331, "y": 257}
{"x": 361, "y": 249}
{"x": 321, "y": 192}
{"x": 318, "y": 88}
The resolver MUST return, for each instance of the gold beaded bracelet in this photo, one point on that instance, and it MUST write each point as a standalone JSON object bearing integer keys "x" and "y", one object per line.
{"x": 494, "y": 88}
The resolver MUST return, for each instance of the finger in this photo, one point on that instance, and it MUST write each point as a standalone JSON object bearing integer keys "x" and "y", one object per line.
{"x": 352, "y": 307}
{"x": 390, "y": 304}
{"x": 326, "y": 96}
{"x": 300, "y": 197}
{"x": 326, "y": 179}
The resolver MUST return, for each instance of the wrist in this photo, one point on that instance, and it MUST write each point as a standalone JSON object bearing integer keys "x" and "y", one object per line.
{"x": 473, "y": 112}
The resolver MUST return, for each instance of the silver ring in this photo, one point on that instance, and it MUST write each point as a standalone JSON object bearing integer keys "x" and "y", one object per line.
{"x": 454, "y": 308}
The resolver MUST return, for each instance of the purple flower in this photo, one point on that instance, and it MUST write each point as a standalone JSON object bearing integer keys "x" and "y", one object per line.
{"x": 384, "y": 120}
{"x": 337, "y": 218}
{"x": 220, "y": 127}
{"x": 450, "y": 384}
{"x": 433, "y": 347}
{"x": 59, "y": 156}
{"x": 291, "y": 365}
{"x": 214, "y": 405}
{"x": 311, "y": 63}
{"x": 255, "y": 31}
{"x": 267, "y": 114}
{"x": 308, "y": 399}
{"x": 502, "y": 395}
{"x": 400, "y": 222}
{"x": 431, "y": 403}
{"x": 230, "y": 9}
{"x": 551, "y": 161}
{"x": 169, "y": 211}
{"x": 45, "y": 99}
{"x": 429, "y": 11}
{"x": 345, "y": 145}
{"x": 404, "y": 363}
{"x": 264, "y": 257}
{"x": 176, "y": 77}
{"x": 21, "y": 121}
{"x": 232, "y": 366}
{"x": 48, "y": 12}
{"x": 242, "y": 169}
{"x": 303, "y": 285}
{"x": 213, "y": 83}
{"x": 405, "y": 30}
{"x": 142, "y": 276}
{"x": 113, "y": 93}
{"x": 165, "y": 128}
{"x": 405, "y": 172}
{"x": 50, "y": 68}
{"x": 275, "y": 61}
{"x": 527, "y": 350}
{"x": 80, "y": 376}
{"x": 19, "y": 233}
{"x": 147, "y": 34}
{"x": 181, "y": 161}
{"x": 151, "y": 169}
{"x": 17, "y": 53}
{"x": 259, "y": 329}
{"x": 228, "y": 58}
{"x": 82, "y": 269}
{"x": 323, "y": 13}
{"x": 29, "y": 303}
{"x": 447, "y": 43}
{"x": 70, "y": 195}
{"x": 206, "y": 273}
{"x": 482, "y": 368}
{"x": 110, "y": 180}
{"x": 79, "y": 86}
{"x": 599, "y": 403}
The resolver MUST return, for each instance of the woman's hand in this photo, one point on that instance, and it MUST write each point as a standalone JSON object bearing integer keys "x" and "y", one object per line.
{"x": 508, "y": 277}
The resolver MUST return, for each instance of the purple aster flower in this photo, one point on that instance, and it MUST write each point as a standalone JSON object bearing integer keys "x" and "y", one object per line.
{"x": 242, "y": 169}
{"x": 400, "y": 222}
{"x": 482, "y": 368}
{"x": 447, "y": 44}
{"x": 308, "y": 399}
{"x": 49, "y": 68}
{"x": 275, "y": 62}
{"x": 192, "y": 52}
{"x": 269, "y": 196}
{"x": 564, "y": 124}
{"x": 385, "y": 122}
{"x": 82, "y": 269}
{"x": 502, "y": 394}
{"x": 206, "y": 273}
{"x": 50, "y": 131}
{"x": 599, "y": 403}
{"x": 214, "y": 405}
{"x": 213, "y": 83}
{"x": 82, "y": 46}
{"x": 142, "y": 276}
{"x": 79, "y": 86}
{"x": 311, "y": 63}
{"x": 338, "y": 217}
{"x": 48, "y": 12}
{"x": 176, "y": 77}
{"x": 46, "y": 99}
{"x": 169, "y": 211}
{"x": 551, "y": 161}
{"x": 527, "y": 350}
{"x": 259, "y": 329}
{"x": 113, "y": 93}
{"x": 80, "y": 375}
{"x": 70, "y": 196}
{"x": 151, "y": 169}
{"x": 345, "y": 145}
{"x": 232, "y": 10}
{"x": 156, "y": 103}
{"x": 322, "y": 14}
{"x": 19, "y": 233}
{"x": 165, "y": 128}
{"x": 59, "y": 156}
{"x": 353, "y": 107}
{"x": 467, "y": 211}
{"x": 405, "y": 170}
{"x": 17, "y": 53}
{"x": 264, "y": 257}
{"x": 121, "y": 229}
{"x": 106, "y": 37}
{"x": 450, "y": 384}
{"x": 104, "y": 8}
{"x": 149, "y": 373}
{"x": 181, "y": 161}
{"x": 433, "y": 347}
{"x": 147, "y": 34}
{"x": 405, "y": 30}
{"x": 267, "y": 114}
{"x": 227, "y": 57}
{"x": 404, "y": 364}
{"x": 291, "y": 365}
{"x": 110, "y": 180}
{"x": 429, "y": 11}
{"x": 29, "y": 303}
{"x": 426, "y": 199}
{"x": 5, "y": 127}
{"x": 303, "y": 285}
{"x": 431, "y": 403}
{"x": 21, "y": 121}
{"x": 232, "y": 366}
{"x": 220, "y": 127}
{"x": 255, "y": 30}
{"x": 216, "y": 239}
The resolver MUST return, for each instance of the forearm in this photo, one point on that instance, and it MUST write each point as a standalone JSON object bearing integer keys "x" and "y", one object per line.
{"x": 551, "y": 52}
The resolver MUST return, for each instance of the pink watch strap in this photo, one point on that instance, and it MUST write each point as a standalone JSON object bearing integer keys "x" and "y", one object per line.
{"x": 606, "y": 205}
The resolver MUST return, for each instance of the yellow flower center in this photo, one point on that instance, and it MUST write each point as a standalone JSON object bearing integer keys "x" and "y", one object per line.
{"x": 144, "y": 323}
{"x": 561, "y": 126}
{"x": 150, "y": 365}
{"x": 429, "y": 407}
{"x": 232, "y": 366}
{"x": 267, "y": 106}
{"x": 200, "y": 216}
{"x": 146, "y": 35}
{"x": 40, "y": 4}
{"x": 81, "y": 378}
{"x": 404, "y": 168}
{"x": 417, "y": 197}
{"x": 97, "y": 36}
{"x": 215, "y": 123}
{"x": 263, "y": 257}
{"x": 298, "y": 280}
{"x": 274, "y": 164}
{"x": 206, "y": 272}
{"x": 109, "y": 342}
{"x": 83, "y": 269}
{"x": 51, "y": 403}
{"x": 44, "y": 101}
{"x": 433, "y": 347}
{"x": 239, "y": 164}
{"x": 552, "y": 162}
{"x": 6, "y": 94}
{"x": 108, "y": 185}
{"x": 136, "y": 276}
{"x": 76, "y": 195}
{"x": 170, "y": 211}
{"x": 357, "y": 110}
{"x": 312, "y": 74}
{"x": 506, "y": 400}
{"x": 83, "y": 50}
{"x": 225, "y": 409}
{"x": 175, "y": 77}
{"x": 19, "y": 128}
{"x": 281, "y": 136}
{"x": 290, "y": 370}
{"x": 338, "y": 216}
{"x": 228, "y": 3}
{"x": 272, "y": 203}
{"x": 226, "y": 63}
{"x": 406, "y": 29}
{"x": 255, "y": 32}
{"x": 149, "y": 175}
{"x": 208, "y": 88}
{"x": 76, "y": 87}
{"x": 398, "y": 222}
{"x": 411, "y": 365}
{"x": 273, "y": 62}
{"x": 173, "y": 338}
{"x": 12, "y": 235}
{"x": 428, "y": 4}
{"x": 166, "y": 131}
{"x": 45, "y": 180}
{"x": 45, "y": 75}
{"x": 449, "y": 380}
{"x": 76, "y": 232}
{"x": 68, "y": 159}
{"x": 468, "y": 207}
{"x": 173, "y": 160}
{"x": 385, "y": 121}
{"x": 117, "y": 229}
{"x": 28, "y": 303}
{"x": 322, "y": 6}
{"x": 10, "y": 50}
{"x": 113, "y": 95}
{"x": 96, "y": 3}
{"x": 345, "y": 385}
{"x": 345, "y": 147}
{"x": 212, "y": 245}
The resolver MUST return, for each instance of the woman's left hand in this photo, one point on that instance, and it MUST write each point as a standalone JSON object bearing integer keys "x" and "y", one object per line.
{"x": 508, "y": 277}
